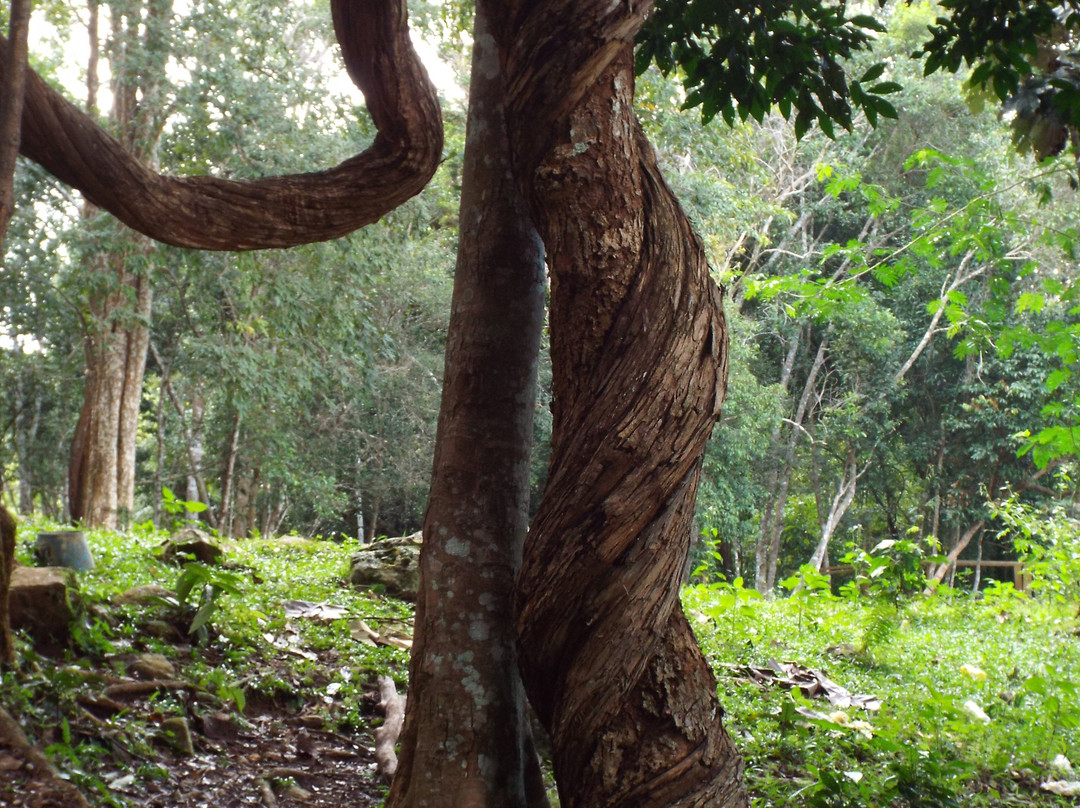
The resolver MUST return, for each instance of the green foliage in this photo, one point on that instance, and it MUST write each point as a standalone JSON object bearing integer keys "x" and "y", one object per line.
{"x": 894, "y": 569}
{"x": 744, "y": 59}
{"x": 204, "y": 585}
{"x": 1019, "y": 53}
{"x": 941, "y": 664}
{"x": 1047, "y": 540}
{"x": 808, "y": 588}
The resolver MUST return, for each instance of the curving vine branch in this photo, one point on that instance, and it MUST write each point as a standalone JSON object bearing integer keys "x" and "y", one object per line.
{"x": 218, "y": 214}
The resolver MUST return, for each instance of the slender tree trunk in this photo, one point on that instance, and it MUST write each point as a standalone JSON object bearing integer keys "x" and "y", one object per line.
{"x": 777, "y": 471}
{"x": 639, "y": 357}
{"x": 227, "y": 511}
{"x": 768, "y": 552}
{"x": 136, "y": 343}
{"x": 845, "y": 495}
{"x": 162, "y": 420}
{"x": 958, "y": 547}
{"x": 27, "y": 419}
{"x": 244, "y": 509}
{"x": 466, "y": 739}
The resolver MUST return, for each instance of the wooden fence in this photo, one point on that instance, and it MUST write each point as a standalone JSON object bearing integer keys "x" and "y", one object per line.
{"x": 1021, "y": 579}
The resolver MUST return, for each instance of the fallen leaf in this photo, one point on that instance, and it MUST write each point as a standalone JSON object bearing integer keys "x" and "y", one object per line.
{"x": 1064, "y": 788}
{"x": 321, "y": 612}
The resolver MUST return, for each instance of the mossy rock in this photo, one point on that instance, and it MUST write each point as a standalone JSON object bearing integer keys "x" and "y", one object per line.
{"x": 390, "y": 566}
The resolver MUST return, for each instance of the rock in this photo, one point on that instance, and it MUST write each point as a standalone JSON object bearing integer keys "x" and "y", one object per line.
{"x": 163, "y": 630}
{"x": 39, "y": 601}
{"x": 295, "y": 541}
{"x": 294, "y": 792}
{"x": 220, "y": 726}
{"x": 842, "y": 650}
{"x": 144, "y": 595}
{"x": 191, "y": 542}
{"x": 177, "y": 733}
{"x": 153, "y": 666}
{"x": 391, "y": 566}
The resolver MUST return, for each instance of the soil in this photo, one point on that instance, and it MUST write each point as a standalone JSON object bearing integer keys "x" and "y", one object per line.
{"x": 278, "y": 754}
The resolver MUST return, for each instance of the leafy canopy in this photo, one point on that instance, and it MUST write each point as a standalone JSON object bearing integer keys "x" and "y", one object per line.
{"x": 743, "y": 58}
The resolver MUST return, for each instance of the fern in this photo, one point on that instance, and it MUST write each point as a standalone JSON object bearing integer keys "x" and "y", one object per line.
{"x": 880, "y": 623}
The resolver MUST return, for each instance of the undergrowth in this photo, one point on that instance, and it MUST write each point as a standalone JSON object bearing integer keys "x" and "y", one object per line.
{"x": 979, "y": 701}
{"x": 240, "y": 655}
{"x": 980, "y": 705}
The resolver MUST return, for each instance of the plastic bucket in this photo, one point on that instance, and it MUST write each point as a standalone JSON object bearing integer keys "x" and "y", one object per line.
{"x": 64, "y": 548}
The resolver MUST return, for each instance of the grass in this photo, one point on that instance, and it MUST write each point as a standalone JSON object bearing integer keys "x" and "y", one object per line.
{"x": 929, "y": 660}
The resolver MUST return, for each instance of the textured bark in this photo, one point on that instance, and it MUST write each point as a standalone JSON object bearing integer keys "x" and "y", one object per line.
{"x": 639, "y": 356}
{"x": 136, "y": 343}
{"x": 102, "y": 472}
{"x": 214, "y": 213}
{"x": 12, "y": 84}
{"x": 465, "y": 741}
{"x": 7, "y": 565}
{"x": 386, "y": 736}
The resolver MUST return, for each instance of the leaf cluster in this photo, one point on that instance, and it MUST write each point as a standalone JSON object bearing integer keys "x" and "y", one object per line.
{"x": 741, "y": 59}
{"x": 1022, "y": 54}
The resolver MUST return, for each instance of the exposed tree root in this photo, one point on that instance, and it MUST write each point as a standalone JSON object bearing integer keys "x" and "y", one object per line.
{"x": 34, "y": 784}
{"x": 393, "y": 706}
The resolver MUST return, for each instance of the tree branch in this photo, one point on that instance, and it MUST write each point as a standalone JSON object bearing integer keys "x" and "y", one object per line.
{"x": 218, "y": 214}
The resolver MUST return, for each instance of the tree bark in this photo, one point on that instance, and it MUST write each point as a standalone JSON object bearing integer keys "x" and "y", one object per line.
{"x": 218, "y": 214}
{"x": 8, "y": 532}
{"x": 12, "y": 87}
{"x": 466, "y": 741}
{"x": 102, "y": 481}
{"x": 639, "y": 355}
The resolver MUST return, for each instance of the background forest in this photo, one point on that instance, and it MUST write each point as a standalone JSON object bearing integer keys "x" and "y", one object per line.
{"x": 900, "y": 299}
{"x": 902, "y": 302}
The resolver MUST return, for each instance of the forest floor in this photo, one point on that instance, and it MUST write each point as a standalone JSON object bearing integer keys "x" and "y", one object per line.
{"x": 278, "y": 753}
{"x": 837, "y": 696}
{"x": 271, "y": 704}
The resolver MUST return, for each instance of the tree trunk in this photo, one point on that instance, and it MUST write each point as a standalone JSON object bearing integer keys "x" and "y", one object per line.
{"x": 845, "y": 495}
{"x": 466, "y": 739}
{"x": 137, "y": 341}
{"x": 226, "y": 511}
{"x": 639, "y": 356}
{"x": 958, "y": 547}
{"x": 247, "y": 488}
{"x": 768, "y": 549}
{"x": 12, "y": 89}
{"x": 24, "y": 433}
{"x": 102, "y": 482}
{"x": 159, "y": 448}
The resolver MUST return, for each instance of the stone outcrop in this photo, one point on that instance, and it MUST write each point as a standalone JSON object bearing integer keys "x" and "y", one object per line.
{"x": 39, "y": 601}
{"x": 390, "y": 566}
{"x": 191, "y": 542}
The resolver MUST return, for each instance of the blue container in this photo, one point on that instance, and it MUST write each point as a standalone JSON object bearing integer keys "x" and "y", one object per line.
{"x": 64, "y": 548}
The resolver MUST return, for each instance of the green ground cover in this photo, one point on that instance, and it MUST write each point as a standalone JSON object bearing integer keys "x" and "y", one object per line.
{"x": 979, "y": 704}
{"x": 978, "y": 696}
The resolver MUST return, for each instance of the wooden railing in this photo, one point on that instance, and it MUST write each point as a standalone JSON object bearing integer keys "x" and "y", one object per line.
{"x": 1020, "y": 578}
